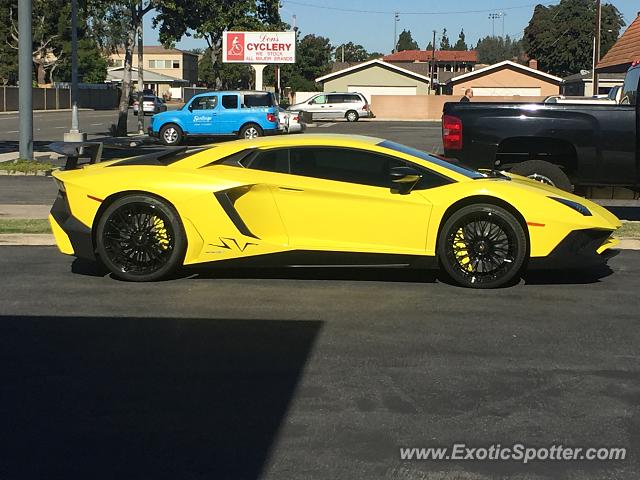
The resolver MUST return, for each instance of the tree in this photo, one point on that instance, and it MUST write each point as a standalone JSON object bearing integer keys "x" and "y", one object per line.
{"x": 560, "y": 36}
{"x": 313, "y": 60}
{"x": 230, "y": 75}
{"x": 444, "y": 41}
{"x": 352, "y": 53}
{"x": 8, "y": 56}
{"x": 50, "y": 22}
{"x": 429, "y": 46}
{"x": 496, "y": 49}
{"x": 117, "y": 24}
{"x": 210, "y": 18}
{"x": 373, "y": 55}
{"x": 406, "y": 42}
{"x": 461, "y": 44}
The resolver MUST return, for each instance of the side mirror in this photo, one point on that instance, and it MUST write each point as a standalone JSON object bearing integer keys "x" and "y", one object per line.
{"x": 190, "y": 107}
{"x": 404, "y": 178}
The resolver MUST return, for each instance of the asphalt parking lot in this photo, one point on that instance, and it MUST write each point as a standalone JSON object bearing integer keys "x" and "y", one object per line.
{"x": 315, "y": 375}
{"x": 309, "y": 374}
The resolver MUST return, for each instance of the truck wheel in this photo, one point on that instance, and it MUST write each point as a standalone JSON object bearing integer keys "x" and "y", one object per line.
{"x": 250, "y": 131}
{"x": 171, "y": 134}
{"x": 544, "y": 172}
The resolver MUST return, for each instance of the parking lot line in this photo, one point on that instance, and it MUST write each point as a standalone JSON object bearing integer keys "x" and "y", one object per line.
{"x": 325, "y": 125}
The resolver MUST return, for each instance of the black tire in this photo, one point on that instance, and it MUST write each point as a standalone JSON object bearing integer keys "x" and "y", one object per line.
{"x": 140, "y": 238}
{"x": 171, "y": 134}
{"x": 250, "y": 130}
{"x": 482, "y": 246}
{"x": 544, "y": 172}
{"x": 352, "y": 116}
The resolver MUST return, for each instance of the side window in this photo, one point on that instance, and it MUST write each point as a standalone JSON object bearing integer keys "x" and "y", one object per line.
{"x": 336, "y": 99}
{"x": 630, "y": 87}
{"x": 208, "y": 102}
{"x": 343, "y": 165}
{"x": 230, "y": 101}
{"x": 353, "y": 99}
{"x": 276, "y": 160}
{"x": 319, "y": 100}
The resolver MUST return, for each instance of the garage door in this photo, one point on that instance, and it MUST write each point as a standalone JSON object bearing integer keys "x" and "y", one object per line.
{"x": 506, "y": 91}
{"x": 369, "y": 90}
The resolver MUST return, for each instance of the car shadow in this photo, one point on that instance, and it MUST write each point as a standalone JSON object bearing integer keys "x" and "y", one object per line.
{"x": 566, "y": 277}
{"x": 184, "y": 398}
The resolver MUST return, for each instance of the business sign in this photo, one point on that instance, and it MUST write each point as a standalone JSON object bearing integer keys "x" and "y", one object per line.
{"x": 259, "y": 47}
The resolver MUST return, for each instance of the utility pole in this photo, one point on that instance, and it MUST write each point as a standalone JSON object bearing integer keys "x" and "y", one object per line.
{"x": 343, "y": 53}
{"x": 74, "y": 134}
{"x": 433, "y": 60}
{"x": 25, "y": 77}
{"x": 596, "y": 49}
{"x": 396, "y": 19}
{"x": 140, "y": 74}
{"x": 503, "y": 14}
{"x": 492, "y": 17}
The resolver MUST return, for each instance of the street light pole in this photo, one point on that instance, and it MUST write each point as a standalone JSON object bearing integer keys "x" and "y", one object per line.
{"x": 140, "y": 74}
{"x": 25, "y": 77}
{"x": 396, "y": 19}
{"x": 74, "y": 134}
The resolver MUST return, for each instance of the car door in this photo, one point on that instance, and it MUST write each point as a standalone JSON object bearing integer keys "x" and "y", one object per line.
{"x": 203, "y": 118}
{"x": 335, "y": 106}
{"x": 318, "y": 107}
{"x": 340, "y": 199}
{"x": 229, "y": 118}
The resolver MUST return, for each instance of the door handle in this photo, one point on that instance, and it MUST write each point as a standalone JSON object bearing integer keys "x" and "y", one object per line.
{"x": 291, "y": 189}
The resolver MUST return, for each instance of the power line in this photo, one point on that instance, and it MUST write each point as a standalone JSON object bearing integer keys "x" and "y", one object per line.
{"x": 389, "y": 12}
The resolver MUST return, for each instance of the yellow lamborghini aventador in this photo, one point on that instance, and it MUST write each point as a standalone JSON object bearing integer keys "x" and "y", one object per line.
{"x": 329, "y": 200}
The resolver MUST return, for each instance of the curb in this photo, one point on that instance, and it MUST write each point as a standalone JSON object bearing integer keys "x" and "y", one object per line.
{"x": 16, "y": 112}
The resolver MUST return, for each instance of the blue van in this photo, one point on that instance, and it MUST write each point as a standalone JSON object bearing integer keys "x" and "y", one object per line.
{"x": 245, "y": 114}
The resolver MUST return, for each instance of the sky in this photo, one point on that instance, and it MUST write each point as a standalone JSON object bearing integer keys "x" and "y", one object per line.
{"x": 357, "y": 21}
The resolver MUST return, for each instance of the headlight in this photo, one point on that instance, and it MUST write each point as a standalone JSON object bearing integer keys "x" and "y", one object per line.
{"x": 573, "y": 205}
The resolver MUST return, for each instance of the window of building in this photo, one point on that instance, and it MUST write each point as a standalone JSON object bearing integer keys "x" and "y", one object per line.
{"x": 175, "y": 64}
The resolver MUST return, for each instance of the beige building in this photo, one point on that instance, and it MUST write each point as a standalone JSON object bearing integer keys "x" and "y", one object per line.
{"x": 376, "y": 77}
{"x": 506, "y": 79}
{"x": 174, "y": 63}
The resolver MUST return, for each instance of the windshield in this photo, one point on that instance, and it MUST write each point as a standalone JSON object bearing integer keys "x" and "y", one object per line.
{"x": 455, "y": 167}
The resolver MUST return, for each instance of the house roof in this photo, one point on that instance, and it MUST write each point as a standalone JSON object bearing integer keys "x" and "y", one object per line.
{"x": 427, "y": 55}
{"x": 371, "y": 63}
{"x": 505, "y": 64}
{"x": 587, "y": 76}
{"x": 624, "y": 51}
{"x": 117, "y": 73}
{"x": 160, "y": 50}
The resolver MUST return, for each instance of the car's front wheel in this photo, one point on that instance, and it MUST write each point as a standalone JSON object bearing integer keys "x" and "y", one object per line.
{"x": 171, "y": 135}
{"x": 140, "y": 238}
{"x": 482, "y": 246}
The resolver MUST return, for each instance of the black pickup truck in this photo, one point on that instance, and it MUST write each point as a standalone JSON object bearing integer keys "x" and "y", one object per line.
{"x": 559, "y": 144}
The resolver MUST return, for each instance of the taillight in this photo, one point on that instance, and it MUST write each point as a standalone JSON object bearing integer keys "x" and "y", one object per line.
{"x": 271, "y": 118}
{"x": 296, "y": 118}
{"x": 366, "y": 107}
{"x": 452, "y": 132}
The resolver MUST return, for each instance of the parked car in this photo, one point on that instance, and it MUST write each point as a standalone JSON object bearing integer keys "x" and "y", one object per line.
{"x": 335, "y": 105}
{"x": 245, "y": 114}
{"x": 290, "y": 122}
{"x": 558, "y": 144}
{"x": 331, "y": 200}
{"x": 150, "y": 104}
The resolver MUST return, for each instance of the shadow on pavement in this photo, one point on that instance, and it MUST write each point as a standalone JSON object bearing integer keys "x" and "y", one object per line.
{"x": 92, "y": 397}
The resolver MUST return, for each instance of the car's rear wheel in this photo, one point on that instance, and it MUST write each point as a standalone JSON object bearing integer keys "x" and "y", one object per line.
{"x": 171, "y": 134}
{"x": 140, "y": 238}
{"x": 352, "y": 116}
{"x": 544, "y": 172}
{"x": 482, "y": 246}
{"x": 251, "y": 131}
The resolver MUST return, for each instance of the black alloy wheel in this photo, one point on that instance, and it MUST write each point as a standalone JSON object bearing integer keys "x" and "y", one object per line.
{"x": 140, "y": 238}
{"x": 482, "y": 246}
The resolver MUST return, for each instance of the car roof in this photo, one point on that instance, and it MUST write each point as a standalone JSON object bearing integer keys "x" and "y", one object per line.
{"x": 232, "y": 92}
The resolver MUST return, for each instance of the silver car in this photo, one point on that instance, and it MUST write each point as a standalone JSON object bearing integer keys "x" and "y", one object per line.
{"x": 335, "y": 105}
{"x": 150, "y": 104}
